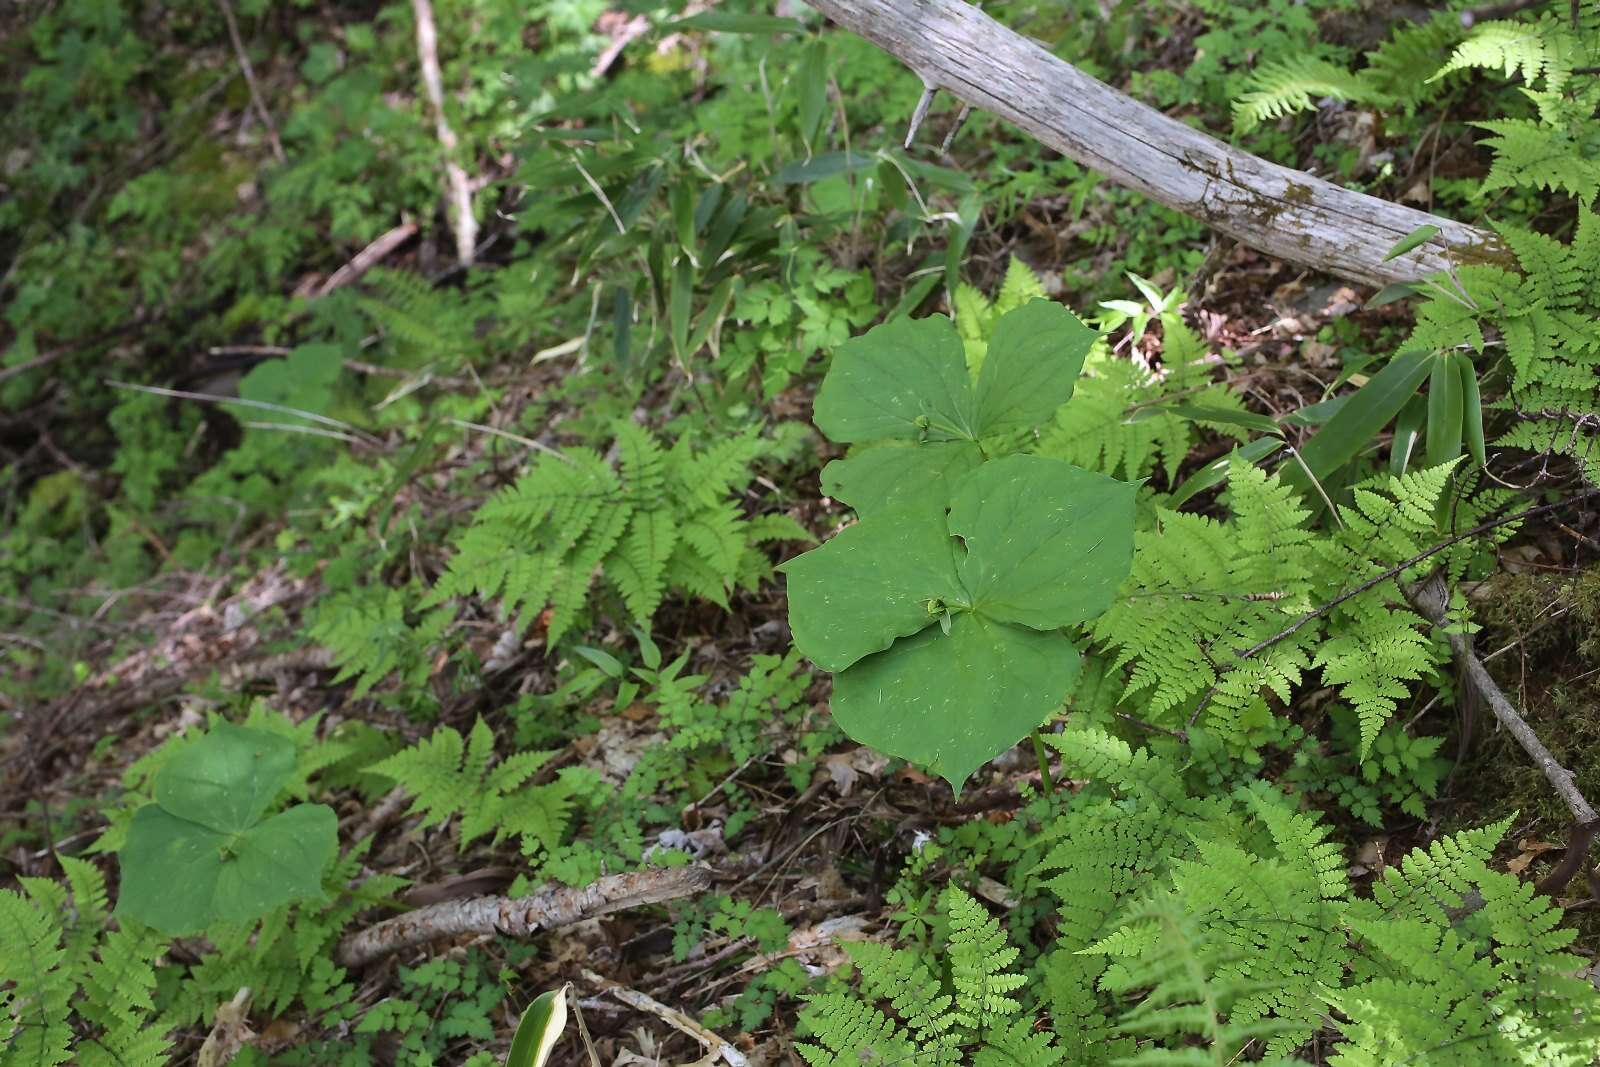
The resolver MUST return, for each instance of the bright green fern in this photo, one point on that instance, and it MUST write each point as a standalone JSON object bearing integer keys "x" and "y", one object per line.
{"x": 73, "y": 987}
{"x": 659, "y": 520}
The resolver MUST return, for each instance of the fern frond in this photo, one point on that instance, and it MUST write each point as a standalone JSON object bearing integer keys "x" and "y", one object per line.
{"x": 1516, "y": 49}
{"x": 1286, "y": 86}
{"x": 661, "y": 521}
{"x": 1020, "y": 285}
{"x": 1544, "y": 157}
{"x": 35, "y": 987}
{"x": 980, "y": 958}
{"x": 850, "y": 1033}
{"x": 447, "y": 776}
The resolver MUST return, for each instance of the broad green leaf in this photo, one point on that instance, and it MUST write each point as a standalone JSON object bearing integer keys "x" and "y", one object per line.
{"x": 813, "y": 86}
{"x": 952, "y": 702}
{"x": 1389, "y": 294}
{"x": 609, "y": 664}
{"x": 227, "y": 779}
{"x": 1472, "y": 408}
{"x": 678, "y": 307}
{"x": 1408, "y": 429}
{"x": 1035, "y": 355}
{"x": 905, "y": 379}
{"x": 1444, "y": 411}
{"x": 876, "y": 478}
{"x": 1419, "y": 236}
{"x": 827, "y": 165}
{"x": 872, "y": 583}
{"x": 1047, "y": 543}
{"x": 541, "y": 1027}
{"x": 1316, "y": 414}
{"x": 180, "y": 876}
{"x": 1360, "y": 419}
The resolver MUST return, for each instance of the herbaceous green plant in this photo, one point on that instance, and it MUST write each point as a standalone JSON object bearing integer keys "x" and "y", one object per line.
{"x": 662, "y": 519}
{"x": 448, "y": 777}
{"x": 1193, "y": 927}
{"x": 1205, "y": 591}
{"x": 941, "y": 612}
{"x": 904, "y": 390}
{"x": 205, "y": 851}
{"x": 73, "y": 986}
{"x": 936, "y": 1017}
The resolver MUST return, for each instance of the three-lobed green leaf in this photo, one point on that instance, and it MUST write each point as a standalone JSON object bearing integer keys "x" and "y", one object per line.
{"x": 202, "y": 853}
{"x": 905, "y": 385}
{"x": 942, "y": 622}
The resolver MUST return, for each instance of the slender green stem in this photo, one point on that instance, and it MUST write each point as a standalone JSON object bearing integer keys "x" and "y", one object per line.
{"x": 1042, "y": 755}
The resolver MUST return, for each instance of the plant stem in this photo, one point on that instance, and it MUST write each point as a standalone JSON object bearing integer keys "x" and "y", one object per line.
{"x": 1040, "y": 754}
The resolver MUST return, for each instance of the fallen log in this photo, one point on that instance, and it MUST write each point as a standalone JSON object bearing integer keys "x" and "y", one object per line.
{"x": 1285, "y": 213}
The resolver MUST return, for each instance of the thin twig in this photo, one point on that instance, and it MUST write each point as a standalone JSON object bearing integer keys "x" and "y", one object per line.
{"x": 1430, "y": 600}
{"x": 600, "y": 193}
{"x": 368, "y": 257}
{"x": 713, "y": 1044}
{"x": 250, "y": 80}
{"x": 508, "y": 435}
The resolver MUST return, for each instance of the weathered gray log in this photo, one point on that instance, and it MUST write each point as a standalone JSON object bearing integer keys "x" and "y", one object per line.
{"x": 521, "y": 916}
{"x": 1284, "y": 213}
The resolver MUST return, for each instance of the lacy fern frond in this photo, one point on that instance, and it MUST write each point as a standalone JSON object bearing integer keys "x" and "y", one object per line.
{"x": 1529, "y": 50}
{"x": 938, "y": 1023}
{"x": 73, "y": 988}
{"x": 1375, "y": 649}
{"x": 447, "y": 776}
{"x": 1401, "y": 67}
{"x": 35, "y": 989}
{"x": 847, "y": 1032}
{"x": 1189, "y": 986}
{"x": 1285, "y": 86}
{"x": 424, "y": 323}
{"x": 1534, "y": 154}
{"x": 980, "y": 962}
{"x": 370, "y": 639}
{"x": 1202, "y": 591}
{"x": 662, "y": 520}
{"x": 1275, "y": 915}
{"x": 1496, "y": 986}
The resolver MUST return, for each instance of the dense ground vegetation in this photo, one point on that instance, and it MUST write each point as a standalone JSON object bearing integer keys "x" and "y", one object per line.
{"x": 358, "y": 557}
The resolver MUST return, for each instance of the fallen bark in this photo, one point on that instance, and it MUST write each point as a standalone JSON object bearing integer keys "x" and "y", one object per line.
{"x": 521, "y": 916}
{"x": 1284, "y": 213}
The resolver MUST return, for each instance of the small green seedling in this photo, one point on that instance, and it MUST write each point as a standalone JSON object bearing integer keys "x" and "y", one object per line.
{"x": 203, "y": 852}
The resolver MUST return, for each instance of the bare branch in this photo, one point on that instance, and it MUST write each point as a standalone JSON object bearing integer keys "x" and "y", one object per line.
{"x": 1429, "y": 599}
{"x": 521, "y": 916}
{"x": 458, "y": 186}
{"x": 1285, "y": 213}
{"x": 250, "y": 80}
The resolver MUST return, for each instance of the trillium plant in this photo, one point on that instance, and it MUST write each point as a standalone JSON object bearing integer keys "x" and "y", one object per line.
{"x": 944, "y": 612}
{"x": 205, "y": 850}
